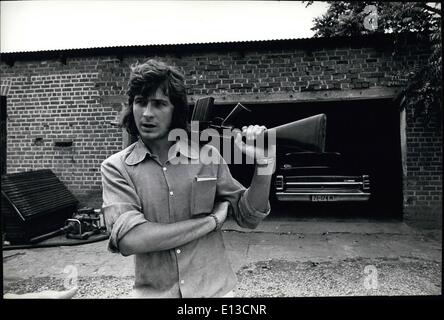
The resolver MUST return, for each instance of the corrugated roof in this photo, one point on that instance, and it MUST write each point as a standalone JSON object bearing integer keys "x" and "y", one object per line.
{"x": 370, "y": 40}
{"x": 181, "y": 44}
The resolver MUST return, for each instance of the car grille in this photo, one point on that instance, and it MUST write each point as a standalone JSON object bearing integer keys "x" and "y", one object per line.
{"x": 310, "y": 188}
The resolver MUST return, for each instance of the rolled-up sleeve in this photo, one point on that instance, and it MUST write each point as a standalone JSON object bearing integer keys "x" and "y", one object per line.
{"x": 230, "y": 189}
{"x": 122, "y": 209}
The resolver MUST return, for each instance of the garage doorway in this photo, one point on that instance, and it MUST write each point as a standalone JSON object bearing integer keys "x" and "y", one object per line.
{"x": 365, "y": 132}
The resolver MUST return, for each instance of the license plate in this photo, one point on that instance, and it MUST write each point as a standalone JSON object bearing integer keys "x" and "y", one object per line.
{"x": 322, "y": 198}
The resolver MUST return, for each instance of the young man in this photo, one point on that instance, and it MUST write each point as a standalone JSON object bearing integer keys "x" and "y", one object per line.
{"x": 169, "y": 213}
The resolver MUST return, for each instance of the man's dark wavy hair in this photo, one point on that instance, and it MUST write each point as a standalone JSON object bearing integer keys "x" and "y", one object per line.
{"x": 144, "y": 80}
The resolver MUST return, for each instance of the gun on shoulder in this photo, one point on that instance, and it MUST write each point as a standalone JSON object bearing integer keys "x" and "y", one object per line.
{"x": 308, "y": 133}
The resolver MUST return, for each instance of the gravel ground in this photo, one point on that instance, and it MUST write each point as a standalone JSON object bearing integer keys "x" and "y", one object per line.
{"x": 281, "y": 278}
{"x": 395, "y": 277}
{"x": 89, "y": 287}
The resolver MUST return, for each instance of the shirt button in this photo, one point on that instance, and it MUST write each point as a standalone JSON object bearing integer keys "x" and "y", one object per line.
{"x": 182, "y": 281}
{"x": 171, "y": 193}
{"x": 178, "y": 251}
{"x": 164, "y": 169}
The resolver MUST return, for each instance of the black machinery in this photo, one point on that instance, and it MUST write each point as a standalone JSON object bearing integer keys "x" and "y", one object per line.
{"x": 83, "y": 224}
{"x": 36, "y": 206}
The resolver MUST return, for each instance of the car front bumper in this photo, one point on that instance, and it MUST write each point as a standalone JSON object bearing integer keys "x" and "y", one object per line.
{"x": 319, "y": 196}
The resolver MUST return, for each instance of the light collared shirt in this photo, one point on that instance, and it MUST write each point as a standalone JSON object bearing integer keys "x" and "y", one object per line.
{"x": 138, "y": 188}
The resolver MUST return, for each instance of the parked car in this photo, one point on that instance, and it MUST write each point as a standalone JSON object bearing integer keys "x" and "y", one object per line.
{"x": 305, "y": 176}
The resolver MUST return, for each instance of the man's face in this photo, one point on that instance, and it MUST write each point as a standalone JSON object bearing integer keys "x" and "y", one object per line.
{"x": 153, "y": 115}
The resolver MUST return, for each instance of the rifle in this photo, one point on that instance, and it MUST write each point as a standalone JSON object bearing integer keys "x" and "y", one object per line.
{"x": 307, "y": 134}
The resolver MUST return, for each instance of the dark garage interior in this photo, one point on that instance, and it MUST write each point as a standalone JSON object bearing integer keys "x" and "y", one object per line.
{"x": 365, "y": 132}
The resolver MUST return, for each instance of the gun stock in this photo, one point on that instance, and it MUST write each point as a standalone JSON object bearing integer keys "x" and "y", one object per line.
{"x": 307, "y": 133}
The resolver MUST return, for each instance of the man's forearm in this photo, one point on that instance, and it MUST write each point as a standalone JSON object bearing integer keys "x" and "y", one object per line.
{"x": 150, "y": 236}
{"x": 259, "y": 190}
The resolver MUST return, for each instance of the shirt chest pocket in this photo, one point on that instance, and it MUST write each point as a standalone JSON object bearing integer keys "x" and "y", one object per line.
{"x": 203, "y": 193}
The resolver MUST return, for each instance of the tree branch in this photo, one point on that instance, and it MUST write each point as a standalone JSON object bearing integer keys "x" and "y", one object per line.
{"x": 427, "y": 7}
{"x": 309, "y": 3}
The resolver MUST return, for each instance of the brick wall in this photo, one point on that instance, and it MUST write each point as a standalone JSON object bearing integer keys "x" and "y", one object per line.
{"x": 50, "y": 103}
{"x": 50, "y": 100}
{"x": 423, "y": 181}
